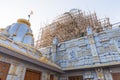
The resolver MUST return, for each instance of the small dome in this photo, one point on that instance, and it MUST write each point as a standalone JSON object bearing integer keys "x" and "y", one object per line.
{"x": 24, "y": 21}
{"x": 21, "y": 32}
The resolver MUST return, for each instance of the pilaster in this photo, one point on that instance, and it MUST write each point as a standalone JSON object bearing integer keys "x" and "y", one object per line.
{"x": 90, "y": 36}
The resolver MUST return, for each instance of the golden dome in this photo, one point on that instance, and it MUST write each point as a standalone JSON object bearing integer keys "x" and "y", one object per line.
{"x": 24, "y": 21}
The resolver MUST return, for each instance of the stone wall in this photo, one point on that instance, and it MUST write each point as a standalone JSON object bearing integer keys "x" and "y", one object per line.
{"x": 96, "y": 48}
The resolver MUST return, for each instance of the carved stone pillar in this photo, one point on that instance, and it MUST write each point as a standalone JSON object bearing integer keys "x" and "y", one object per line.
{"x": 92, "y": 45}
{"x": 54, "y": 49}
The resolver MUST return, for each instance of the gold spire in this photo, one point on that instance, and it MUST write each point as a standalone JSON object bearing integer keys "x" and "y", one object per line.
{"x": 24, "y": 21}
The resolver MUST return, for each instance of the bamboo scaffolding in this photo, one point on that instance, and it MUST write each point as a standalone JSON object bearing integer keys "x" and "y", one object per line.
{"x": 71, "y": 25}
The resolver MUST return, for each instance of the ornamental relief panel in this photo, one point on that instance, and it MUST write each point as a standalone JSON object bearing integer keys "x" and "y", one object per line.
{"x": 79, "y": 54}
{"x": 113, "y": 48}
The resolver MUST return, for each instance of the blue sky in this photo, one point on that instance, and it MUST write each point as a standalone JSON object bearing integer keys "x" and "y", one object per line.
{"x": 46, "y": 10}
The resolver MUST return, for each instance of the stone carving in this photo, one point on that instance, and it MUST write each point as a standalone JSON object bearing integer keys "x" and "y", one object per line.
{"x": 89, "y": 30}
{"x": 109, "y": 57}
{"x": 88, "y": 75}
{"x": 72, "y": 55}
{"x": 118, "y": 43}
{"x": 55, "y": 40}
{"x": 79, "y": 54}
{"x": 100, "y": 74}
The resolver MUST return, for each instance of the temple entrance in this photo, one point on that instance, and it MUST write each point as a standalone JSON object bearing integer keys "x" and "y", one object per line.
{"x": 51, "y": 77}
{"x": 116, "y": 76}
{"x": 4, "y": 68}
{"x": 75, "y": 78}
{"x": 32, "y": 75}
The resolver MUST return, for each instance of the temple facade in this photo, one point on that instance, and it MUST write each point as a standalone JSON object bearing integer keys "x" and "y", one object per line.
{"x": 92, "y": 57}
{"x": 95, "y": 56}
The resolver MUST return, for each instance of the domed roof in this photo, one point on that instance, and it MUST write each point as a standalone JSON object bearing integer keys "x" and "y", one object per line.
{"x": 24, "y": 21}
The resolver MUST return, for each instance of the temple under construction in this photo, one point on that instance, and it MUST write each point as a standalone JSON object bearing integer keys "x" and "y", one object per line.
{"x": 71, "y": 25}
{"x": 75, "y": 46}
